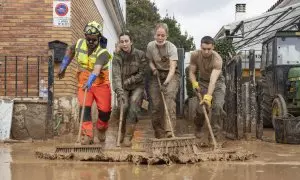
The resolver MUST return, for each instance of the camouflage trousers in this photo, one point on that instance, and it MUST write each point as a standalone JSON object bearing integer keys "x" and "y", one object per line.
{"x": 158, "y": 110}
{"x": 132, "y": 104}
{"x": 217, "y": 112}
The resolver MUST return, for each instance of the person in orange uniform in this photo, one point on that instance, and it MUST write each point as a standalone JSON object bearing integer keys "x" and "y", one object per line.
{"x": 93, "y": 74}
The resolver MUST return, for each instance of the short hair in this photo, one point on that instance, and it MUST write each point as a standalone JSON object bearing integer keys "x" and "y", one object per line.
{"x": 207, "y": 40}
{"x": 126, "y": 33}
{"x": 162, "y": 25}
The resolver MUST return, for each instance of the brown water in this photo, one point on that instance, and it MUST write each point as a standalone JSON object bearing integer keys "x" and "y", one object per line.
{"x": 274, "y": 162}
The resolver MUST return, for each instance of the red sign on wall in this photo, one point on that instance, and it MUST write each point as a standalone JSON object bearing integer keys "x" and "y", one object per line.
{"x": 61, "y": 13}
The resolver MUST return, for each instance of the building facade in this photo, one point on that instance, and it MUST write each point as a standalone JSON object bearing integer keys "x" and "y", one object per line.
{"x": 25, "y": 32}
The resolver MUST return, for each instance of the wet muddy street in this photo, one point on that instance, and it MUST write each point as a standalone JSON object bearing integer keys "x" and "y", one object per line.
{"x": 274, "y": 162}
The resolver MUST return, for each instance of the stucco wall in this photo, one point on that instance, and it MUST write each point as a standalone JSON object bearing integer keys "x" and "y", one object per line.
{"x": 30, "y": 119}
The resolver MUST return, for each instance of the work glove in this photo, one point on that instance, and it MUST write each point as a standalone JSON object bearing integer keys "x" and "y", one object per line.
{"x": 196, "y": 87}
{"x": 90, "y": 81}
{"x": 63, "y": 67}
{"x": 206, "y": 101}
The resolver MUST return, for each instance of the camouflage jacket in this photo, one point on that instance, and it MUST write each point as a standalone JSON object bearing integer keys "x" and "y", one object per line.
{"x": 128, "y": 70}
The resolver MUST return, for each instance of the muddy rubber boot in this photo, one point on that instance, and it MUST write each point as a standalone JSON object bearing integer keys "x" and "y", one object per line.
{"x": 86, "y": 140}
{"x": 128, "y": 135}
{"x": 168, "y": 134}
{"x": 159, "y": 133}
{"x": 198, "y": 133}
{"x": 101, "y": 134}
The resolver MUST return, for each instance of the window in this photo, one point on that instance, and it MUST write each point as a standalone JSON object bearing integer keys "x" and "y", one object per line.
{"x": 288, "y": 50}
{"x": 263, "y": 57}
{"x": 269, "y": 53}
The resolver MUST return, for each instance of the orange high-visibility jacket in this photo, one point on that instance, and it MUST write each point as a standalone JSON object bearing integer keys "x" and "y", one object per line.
{"x": 87, "y": 62}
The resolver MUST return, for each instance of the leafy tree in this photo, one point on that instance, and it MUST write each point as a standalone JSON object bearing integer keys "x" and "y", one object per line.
{"x": 225, "y": 48}
{"x": 142, "y": 15}
{"x": 180, "y": 40}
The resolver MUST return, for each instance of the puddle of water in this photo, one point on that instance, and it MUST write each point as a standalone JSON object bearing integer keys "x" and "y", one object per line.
{"x": 17, "y": 162}
{"x": 95, "y": 171}
{"x": 5, "y": 160}
{"x": 285, "y": 155}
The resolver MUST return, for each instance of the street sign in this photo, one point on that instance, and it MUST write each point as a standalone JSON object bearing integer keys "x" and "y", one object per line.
{"x": 62, "y": 13}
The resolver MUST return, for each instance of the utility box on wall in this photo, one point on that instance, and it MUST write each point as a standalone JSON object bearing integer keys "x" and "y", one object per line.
{"x": 59, "y": 49}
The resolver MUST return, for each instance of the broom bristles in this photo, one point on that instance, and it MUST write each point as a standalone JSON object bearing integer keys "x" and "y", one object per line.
{"x": 178, "y": 145}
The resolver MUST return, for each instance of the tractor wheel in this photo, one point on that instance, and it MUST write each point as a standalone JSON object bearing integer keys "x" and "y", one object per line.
{"x": 266, "y": 108}
{"x": 279, "y": 108}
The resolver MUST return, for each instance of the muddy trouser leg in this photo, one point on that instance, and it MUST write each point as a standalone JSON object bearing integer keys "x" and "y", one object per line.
{"x": 133, "y": 110}
{"x": 156, "y": 108}
{"x": 199, "y": 120}
{"x": 125, "y": 112}
{"x": 87, "y": 125}
{"x": 134, "y": 105}
{"x": 217, "y": 108}
{"x": 170, "y": 96}
{"x": 102, "y": 95}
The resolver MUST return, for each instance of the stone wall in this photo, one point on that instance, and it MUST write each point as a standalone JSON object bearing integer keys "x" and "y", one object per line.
{"x": 30, "y": 119}
{"x": 65, "y": 115}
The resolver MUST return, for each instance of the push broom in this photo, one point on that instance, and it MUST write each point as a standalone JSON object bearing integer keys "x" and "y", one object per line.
{"x": 77, "y": 147}
{"x": 173, "y": 145}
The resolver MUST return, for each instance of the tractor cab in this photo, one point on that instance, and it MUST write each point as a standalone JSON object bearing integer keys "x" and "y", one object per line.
{"x": 280, "y": 83}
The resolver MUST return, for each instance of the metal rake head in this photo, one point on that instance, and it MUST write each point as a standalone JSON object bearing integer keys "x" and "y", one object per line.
{"x": 78, "y": 149}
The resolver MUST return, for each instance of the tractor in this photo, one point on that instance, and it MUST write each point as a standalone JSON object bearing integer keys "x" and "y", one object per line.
{"x": 278, "y": 90}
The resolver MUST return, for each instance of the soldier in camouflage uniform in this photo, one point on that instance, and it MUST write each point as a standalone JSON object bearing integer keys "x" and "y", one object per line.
{"x": 163, "y": 58}
{"x": 128, "y": 71}
{"x": 211, "y": 85}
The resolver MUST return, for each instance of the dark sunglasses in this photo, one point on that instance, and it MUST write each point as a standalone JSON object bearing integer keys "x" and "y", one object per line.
{"x": 90, "y": 30}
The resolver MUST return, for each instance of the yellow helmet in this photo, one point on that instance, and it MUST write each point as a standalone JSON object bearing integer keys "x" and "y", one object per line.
{"x": 93, "y": 28}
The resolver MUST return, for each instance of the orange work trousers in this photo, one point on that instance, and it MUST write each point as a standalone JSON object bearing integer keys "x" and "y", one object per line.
{"x": 101, "y": 94}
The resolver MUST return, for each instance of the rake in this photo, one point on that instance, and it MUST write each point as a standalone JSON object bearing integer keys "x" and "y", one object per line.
{"x": 208, "y": 123}
{"x": 77, "y": 147}
{"x": 173, "y": 145}
{"x": 120, "y": 125}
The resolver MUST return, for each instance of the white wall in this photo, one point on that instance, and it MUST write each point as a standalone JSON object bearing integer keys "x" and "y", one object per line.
{"x": 108, "y": 31}
{"x": 108, "y": 28}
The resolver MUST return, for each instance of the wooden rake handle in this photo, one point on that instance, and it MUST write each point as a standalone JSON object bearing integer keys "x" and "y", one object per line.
{"x": 208, "y": 122}
{"x": 81, "y": 116}
{"x": 166, "y": 107}
{"x": 120, "y": 125}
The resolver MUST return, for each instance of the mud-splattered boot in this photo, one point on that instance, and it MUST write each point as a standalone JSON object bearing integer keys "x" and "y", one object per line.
{"x": 198, "y": 132}
{"x": 101, "y": 134}
{"x": 168, "y": 134}
{"x": 86, "y": 140}
{"x": 128, "y": 135}
{"x": 159, "y": 133}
